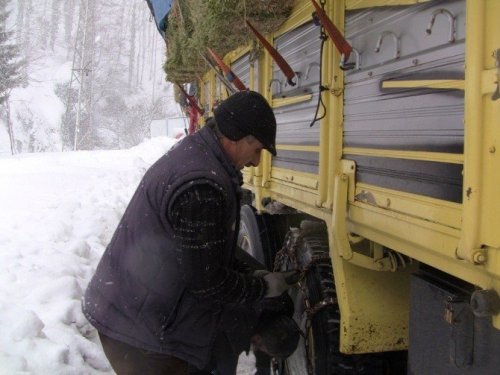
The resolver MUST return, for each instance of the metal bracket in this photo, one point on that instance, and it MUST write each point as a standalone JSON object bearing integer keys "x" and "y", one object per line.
{"x": 298, "y": 80}
{"x": 309, "y": 68}
{"x": 451, "y": 18}
{"x": 349, "y": 65}
{"x": 496, "y": 56}
{"x": 344, "y": 193}
{"x": 459, "y": 316}
{"x": 340, "y": 200}
{"x": 485, "y": 302}
{"x": 397, "y": 43}
{"x": 269, "y": 87}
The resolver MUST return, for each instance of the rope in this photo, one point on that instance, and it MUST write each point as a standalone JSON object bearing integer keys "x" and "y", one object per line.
{"x": 321, "y": 87}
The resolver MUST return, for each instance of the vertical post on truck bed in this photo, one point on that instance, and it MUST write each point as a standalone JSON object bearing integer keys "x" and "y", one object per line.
{"x": 469, "y": 247}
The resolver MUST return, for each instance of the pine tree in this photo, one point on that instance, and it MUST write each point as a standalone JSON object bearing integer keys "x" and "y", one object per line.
{"x": 10, "y": 68}
{"x": 54, "y": 24}
{"x": 10, "y": 64}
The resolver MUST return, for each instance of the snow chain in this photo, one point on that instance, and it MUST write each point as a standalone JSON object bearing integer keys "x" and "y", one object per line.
{"x": 287, "y": 256}
{"x": 310, "y": 311}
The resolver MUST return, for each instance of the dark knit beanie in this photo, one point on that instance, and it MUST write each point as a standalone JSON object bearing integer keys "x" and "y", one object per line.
{"x": 247, "y": 113}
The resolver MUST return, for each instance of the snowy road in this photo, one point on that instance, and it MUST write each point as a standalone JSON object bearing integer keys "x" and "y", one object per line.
{"x": 57, "y": 213}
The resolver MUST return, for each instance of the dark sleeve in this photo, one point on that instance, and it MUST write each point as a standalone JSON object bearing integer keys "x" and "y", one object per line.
{"x": 241, "y": 266}
{"x": 197, "y": 216}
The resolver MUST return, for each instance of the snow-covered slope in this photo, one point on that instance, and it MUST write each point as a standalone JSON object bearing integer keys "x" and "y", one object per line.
{"x": 58, "y": 212}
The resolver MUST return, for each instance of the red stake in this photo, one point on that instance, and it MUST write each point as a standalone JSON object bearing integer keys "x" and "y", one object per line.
{"x": 231, "y": 77}
{"x": 280, "y": 61}
{"x": 338, "y": 39}
{"x": 191, "y": 100}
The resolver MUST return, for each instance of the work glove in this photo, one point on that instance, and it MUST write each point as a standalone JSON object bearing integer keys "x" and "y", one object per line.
{"x": 260, "y": 273}
{"x": 279, "y": 282}
{"x": 282, "y": 304}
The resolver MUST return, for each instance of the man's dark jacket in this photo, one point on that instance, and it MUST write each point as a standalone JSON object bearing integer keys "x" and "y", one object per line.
{"x": 137, "y": 294}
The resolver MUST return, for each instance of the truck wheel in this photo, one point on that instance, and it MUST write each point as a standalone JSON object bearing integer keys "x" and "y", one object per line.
{"x": 261, "y": 235}
{"x": 249, "y": 235}
{"x": 250, "y": 240}
{"x": 324, "y": 335}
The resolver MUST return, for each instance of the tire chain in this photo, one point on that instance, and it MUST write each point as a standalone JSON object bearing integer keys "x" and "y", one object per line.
{"x": 287, "y": 256}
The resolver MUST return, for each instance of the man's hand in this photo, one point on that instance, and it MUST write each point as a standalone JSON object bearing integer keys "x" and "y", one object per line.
{"x": 260, "y": 273}
{"x": 278, "y": 282}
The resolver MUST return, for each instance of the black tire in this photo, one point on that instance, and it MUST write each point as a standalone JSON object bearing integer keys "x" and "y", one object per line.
{"x": 250, "y": 240}
{"x": 324, "y": 336}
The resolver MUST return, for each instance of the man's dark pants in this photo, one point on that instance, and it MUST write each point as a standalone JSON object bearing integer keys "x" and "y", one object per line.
{"x": 128, "y": 360}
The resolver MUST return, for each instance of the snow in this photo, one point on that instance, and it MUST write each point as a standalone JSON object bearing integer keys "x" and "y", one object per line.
{"x": 58, "y": 213}
{"x": 39, "y": 95}
{"x": 4, "y": 140}
{"x": 38, "y": 105}
{"x": 127, "y": 92}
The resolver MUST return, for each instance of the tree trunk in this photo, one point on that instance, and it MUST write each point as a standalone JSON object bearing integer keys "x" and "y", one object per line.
{"x": 54, "y": 25}
{"x": 69, "y": 12}
{"x": 20, "y": 21}
{"x": 9, "y": 126}
{"x": 131, "y": 63}
{"x": 28, "y": 28}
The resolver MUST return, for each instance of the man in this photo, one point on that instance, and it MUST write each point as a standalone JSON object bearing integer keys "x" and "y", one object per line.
{"x": 167, "y": 294}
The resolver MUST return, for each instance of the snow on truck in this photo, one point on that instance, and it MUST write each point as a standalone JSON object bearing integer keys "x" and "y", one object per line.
{"x": 385, "y": 190}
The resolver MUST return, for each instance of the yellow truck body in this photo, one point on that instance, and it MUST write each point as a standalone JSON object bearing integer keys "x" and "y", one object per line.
{"x": 405, "y": 159}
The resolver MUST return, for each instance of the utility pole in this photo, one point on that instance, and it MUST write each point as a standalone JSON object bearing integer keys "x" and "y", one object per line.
{"x": 79, "y": 111}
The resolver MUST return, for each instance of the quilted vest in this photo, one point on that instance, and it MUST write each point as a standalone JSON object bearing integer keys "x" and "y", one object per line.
{"x": 137, "y": 294}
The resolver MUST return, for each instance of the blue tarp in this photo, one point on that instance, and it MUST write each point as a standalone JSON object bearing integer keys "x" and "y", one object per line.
{"x": 159, "y": 10}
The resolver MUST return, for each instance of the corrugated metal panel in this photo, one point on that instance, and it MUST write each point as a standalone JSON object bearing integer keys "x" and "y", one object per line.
{"x": 417, "y": 119}
{"x": 297, "y": 160}
{"x": 301, "y": 49}
{"x": 432, "y": 179}
{"x": 406, "y": 119}
{"x": 294, "y": 123}
{"x": 241, "y": 68}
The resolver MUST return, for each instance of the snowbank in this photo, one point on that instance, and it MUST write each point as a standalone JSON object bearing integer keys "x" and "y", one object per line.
{"x": 58, "y": 213}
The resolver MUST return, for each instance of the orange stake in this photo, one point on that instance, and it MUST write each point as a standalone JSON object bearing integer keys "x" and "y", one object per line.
{"x": 280, "y": 61}
{"x": 191, "y": 100}
{"x": 231, "y": 77}
{"x": 338, "y": 39}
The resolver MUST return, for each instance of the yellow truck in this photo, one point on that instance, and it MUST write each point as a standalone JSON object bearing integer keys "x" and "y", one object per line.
{"x": 386, "y": 187}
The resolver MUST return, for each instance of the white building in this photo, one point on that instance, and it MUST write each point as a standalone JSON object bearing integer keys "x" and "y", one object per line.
{"x": 172, "y": 127}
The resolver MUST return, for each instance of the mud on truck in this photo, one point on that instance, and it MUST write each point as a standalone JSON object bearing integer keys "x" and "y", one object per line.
{"x": 385, "y": 190}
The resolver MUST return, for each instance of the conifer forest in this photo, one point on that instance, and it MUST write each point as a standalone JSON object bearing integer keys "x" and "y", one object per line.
{"x": 79, "y": 75}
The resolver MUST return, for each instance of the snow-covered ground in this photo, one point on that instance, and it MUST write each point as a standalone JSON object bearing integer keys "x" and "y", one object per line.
{"x": 57, "y": 213}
